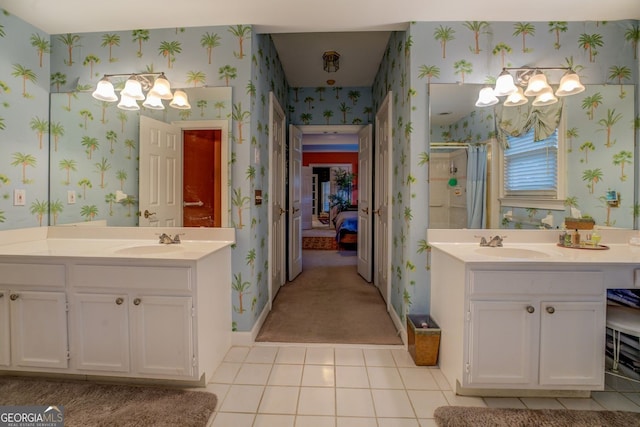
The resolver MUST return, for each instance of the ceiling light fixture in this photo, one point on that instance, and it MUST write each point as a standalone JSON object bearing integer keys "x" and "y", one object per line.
{"x": 536, "y": 86}
{"x": 331, "y": 61}
{"x": 156, "y": 84}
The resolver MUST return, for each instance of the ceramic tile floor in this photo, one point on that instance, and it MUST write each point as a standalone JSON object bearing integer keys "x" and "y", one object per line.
{"x": 317, "y": 386}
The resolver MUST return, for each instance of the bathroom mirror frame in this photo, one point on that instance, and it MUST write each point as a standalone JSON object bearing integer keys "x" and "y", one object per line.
{"x": 94, "y": 148}
{"x": 476, "y": 125}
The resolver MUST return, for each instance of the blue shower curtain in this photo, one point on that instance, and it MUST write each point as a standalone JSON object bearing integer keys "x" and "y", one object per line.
{"x": 477, "y": 187}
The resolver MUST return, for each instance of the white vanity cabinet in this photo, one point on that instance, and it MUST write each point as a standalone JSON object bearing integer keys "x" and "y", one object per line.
{"x": 535, "y": 329}
{"x": 33, "y": 316}
{"x": 135, "y": 320}
{"x": 510, "y": 327}
{"x": 141, "y": 335}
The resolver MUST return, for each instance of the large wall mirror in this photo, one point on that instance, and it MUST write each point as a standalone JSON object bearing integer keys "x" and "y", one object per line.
{"x": 94, "y": 154}
{"x": 597, "y": 160}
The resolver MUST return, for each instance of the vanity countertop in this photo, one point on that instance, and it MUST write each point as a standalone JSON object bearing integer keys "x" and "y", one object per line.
{"x": 618, "y": 253}
{"x": 114, "y": 242}
{"x": 533, "y": 246}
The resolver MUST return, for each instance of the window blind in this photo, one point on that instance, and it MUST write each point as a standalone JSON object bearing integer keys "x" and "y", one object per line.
{"x": 531, "y": 168}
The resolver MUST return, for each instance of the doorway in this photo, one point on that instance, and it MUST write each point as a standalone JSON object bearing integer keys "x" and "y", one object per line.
{"x": 202, "y": 178}
{"x": 165, "y": 188}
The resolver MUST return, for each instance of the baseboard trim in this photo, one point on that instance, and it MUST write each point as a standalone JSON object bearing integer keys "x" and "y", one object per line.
{"x": 248, "y": 338}
{"x": 400, "y": 326}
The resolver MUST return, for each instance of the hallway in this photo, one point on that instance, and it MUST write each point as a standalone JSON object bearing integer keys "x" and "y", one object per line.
{"x": 329, "y": 303}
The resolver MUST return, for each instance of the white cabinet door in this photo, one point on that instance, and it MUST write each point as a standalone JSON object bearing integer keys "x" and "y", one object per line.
{"x": 5, "y": 353}
{"x": 101, "y": 323}
{"x": 503, "y": 339}
{"x": 162, "y": 339}
{"x": 38, "y": 329}
{"x": 572, "y": 342}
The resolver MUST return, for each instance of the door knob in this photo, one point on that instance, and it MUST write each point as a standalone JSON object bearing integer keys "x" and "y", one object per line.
{"x": 295, "y": 210}
{"x": 282, "y": 211}
{"x": 376, "y": 212}
{"x": 147, "y": 214}
{"x": 366, "y": 211}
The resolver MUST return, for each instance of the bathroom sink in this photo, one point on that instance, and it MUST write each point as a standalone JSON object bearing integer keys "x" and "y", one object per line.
{"x": 507, "y": 252}
{"x": 149, "y": 249}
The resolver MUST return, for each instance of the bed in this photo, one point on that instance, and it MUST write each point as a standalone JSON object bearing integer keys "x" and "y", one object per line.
{"x": 346, "y": 223}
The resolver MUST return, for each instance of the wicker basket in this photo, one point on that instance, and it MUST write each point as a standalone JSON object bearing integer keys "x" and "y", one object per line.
{"x": 579, "y": 223}
{"x": 423, "y": 343}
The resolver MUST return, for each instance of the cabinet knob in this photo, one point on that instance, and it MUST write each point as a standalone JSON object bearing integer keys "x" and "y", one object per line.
{"x": 14, "y": 297}
{"x": 119, "y": 301}
{"x": 137, "y": 301}
{"x": 530, "y": 309}
{"x": 551, "y": 310}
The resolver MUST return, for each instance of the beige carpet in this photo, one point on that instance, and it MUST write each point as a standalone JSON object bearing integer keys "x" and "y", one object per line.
{"x": 329, "y": 303}
{"x": 90, "y": 404}
{"x": 459, "y": 416}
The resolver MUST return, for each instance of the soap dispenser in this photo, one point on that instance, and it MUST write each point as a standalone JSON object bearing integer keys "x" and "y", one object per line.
{"x": 576, "y": 238}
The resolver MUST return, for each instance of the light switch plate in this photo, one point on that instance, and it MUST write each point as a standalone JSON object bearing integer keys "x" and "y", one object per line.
{"x": 71, "y": 197}
{"x": 19, "y": 196}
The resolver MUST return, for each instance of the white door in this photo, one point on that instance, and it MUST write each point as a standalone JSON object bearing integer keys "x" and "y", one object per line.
{"x": 39, "y": 329}
{"x": 277, "y": 219}
{"x": 295, "y": 202}
{"x": 160, "y": 188}
{"x": 364, "y": 203}
{"x": 5, "y": 354}
{"x": 572, "y": 336}
{"x": 101, "y": 338}
{"x": 382, "y": 203}
{"x": 162, "y": 337}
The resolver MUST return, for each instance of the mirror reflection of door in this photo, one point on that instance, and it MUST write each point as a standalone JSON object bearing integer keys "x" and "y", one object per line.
{"x": 202, "y": 178}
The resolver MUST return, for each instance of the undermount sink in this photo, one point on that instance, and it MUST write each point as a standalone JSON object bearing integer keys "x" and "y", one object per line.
{"x": 149, "y": 249}
{"x": 506, "y": 252}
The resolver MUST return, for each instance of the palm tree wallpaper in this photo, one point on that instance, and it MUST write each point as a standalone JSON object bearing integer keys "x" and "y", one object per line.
{"x": 35, "y": 64}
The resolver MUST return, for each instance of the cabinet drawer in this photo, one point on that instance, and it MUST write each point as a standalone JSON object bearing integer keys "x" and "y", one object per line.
{"x": 493, "y": 282}
{"x": 13, "y": 273}
{"x": 130, "y": 277}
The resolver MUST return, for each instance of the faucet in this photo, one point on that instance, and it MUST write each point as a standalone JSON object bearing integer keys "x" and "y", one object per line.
{"x": 166, "y": 239}
{"x": 495, "y": 241}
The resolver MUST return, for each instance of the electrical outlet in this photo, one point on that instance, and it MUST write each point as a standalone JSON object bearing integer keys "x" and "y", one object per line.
{"x": 71, "y": 197}
{"x": 19, "y": 197}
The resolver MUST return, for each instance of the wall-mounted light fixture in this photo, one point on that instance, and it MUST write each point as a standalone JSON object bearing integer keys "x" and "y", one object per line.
{"x": 156, "y": 84}
{"x": 536, "y": 85}
{"x": 331, "y": 61}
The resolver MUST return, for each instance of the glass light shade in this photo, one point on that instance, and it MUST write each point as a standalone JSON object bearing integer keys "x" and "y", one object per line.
{"x": 104, "y": 91}
{"x": 486, "y": 98}
{"x": 153, "y": 103}
{"x": 128, "y": 103}
{"x": 161, "y": 88}
{"x": 569, "y": 84}
{"x": 133, "y": 89}
{"x": 537, "y": 85}
{"x": 546, "y": 97}
{"x": 180, "y": 101}
{"x": 516, "y": 98}
{"x": 504, "y": 84}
